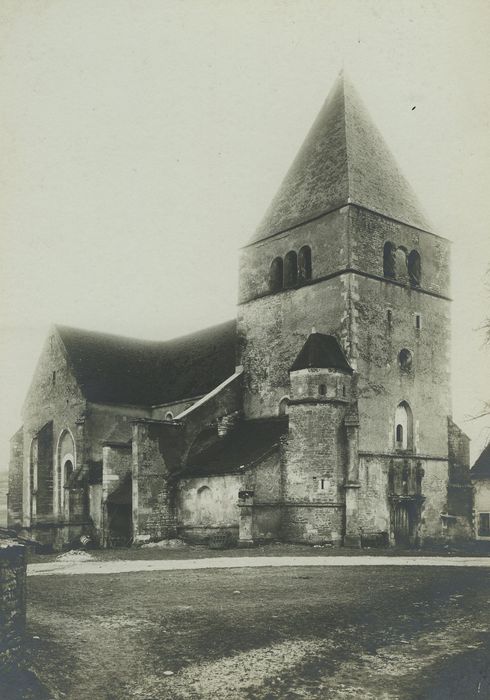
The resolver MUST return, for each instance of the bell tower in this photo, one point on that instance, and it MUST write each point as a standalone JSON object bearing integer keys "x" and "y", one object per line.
{"x": 345, "y": 247}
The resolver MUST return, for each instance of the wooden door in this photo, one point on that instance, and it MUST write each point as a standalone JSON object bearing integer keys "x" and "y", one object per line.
{"x": 403, "y": 524}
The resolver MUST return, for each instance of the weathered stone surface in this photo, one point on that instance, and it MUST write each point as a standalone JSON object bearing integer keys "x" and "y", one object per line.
{"x": 12, "y": 604}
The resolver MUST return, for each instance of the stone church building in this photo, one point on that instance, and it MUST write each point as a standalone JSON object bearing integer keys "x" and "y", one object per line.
{"x": 321, "y": 414}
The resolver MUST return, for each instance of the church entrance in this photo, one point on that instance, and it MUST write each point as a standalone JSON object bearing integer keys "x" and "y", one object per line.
{"x": 404, "y": 523}
{"x": 119, "y": 515}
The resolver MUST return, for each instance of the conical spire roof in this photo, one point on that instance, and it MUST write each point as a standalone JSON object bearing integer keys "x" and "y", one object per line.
{"x": 344, "y": 159}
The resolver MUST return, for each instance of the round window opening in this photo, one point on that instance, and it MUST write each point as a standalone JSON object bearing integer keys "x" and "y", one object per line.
{"x": 405, "y": 360}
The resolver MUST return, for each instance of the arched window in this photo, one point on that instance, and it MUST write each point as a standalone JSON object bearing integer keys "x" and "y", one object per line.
{"x": 68, "y": 471}
{"x": 405, "y": 360}
{"x": 169, "y": 416}
{"x": 389, "y": 259}
{"x": 66, "y": 455}
{"x": 403, "y": 427}
{"x": 322, "y": 389}
{"x": 290, "y": 269}
{"x": 283, "y": 406}
{"x": 276, "y": 275}
{"x": 304, "y": 264}
{"x": 415, "y": 268}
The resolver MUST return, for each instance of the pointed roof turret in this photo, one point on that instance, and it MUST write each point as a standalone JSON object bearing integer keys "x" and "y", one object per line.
{"x": 321, "y": 351}
{"x": 343, "y": 160}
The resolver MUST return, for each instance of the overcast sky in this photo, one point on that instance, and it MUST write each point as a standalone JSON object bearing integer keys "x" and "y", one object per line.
{"x": 143, "y": 141}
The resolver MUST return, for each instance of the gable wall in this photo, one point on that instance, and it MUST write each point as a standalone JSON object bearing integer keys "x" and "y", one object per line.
{"x": 57, "y": 399}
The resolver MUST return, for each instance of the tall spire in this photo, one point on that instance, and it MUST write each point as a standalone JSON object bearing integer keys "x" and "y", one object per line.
{"x": 343, "y": 159}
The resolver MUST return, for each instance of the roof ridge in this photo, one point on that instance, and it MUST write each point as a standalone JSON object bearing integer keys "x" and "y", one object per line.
{"x": 117, "y": 336}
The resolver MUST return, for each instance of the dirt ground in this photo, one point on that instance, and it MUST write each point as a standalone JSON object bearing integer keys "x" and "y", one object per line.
{"x": 337, "y": 633}
{"x": 272, "y": 549}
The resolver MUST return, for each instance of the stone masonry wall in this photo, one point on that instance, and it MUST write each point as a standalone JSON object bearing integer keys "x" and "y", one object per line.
{"x": 271, "y": 332}
{"x": 54, "y": 395}
{"x": 12, "y": 603}
{"x": 369, "y": 232}
{"x": 15, "y": 480}
{"x": 314, "y": 472}
{"x": 208, "y": 503}
{"x": 326, "y": 236}
{"x": 382, "y": 383}
{"x": 154, "y": 512}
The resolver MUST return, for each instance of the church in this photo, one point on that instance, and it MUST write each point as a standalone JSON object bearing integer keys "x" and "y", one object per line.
{"x": 321, "y": 414}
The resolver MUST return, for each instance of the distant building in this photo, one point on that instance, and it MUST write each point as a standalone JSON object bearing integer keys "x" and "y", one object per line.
{"x": 480, "y": 477}
{"x": 322, "y": 414}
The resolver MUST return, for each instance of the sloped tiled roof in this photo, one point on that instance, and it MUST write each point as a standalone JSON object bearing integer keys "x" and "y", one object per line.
{"x": 321, "y": 351}
{"x": 343, "y": 159}
{"x": 247, "y": 442}
{"x": 481, "y": 468}
{"x": 115, "y": 369}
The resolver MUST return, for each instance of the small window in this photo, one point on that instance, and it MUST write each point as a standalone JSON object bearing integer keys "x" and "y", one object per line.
{"x": 53, "y": 378}
{"x": 344, "y": 392}
{"x": 403, "y": 427}
{"x": 322, "y": 389}
{"x": 290, "y": 269}
{"x": 418, "y": 321}
{"x": 68, "y": 466}
{"x": 484, "y": 524}
{"x": 169, "y": 416}
{"x": 399, "y": 435}
{"x": 276, "y": 275}
{"x": 405, "y": 360}
{"x": 389, "y": 319}
{"x": 322, "y": 483}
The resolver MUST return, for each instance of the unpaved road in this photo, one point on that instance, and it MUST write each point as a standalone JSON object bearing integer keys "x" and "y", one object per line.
{"x": 67, "y": 566}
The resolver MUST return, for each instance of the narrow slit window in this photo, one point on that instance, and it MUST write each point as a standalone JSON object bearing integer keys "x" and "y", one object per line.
{"x": 399, "y": 434}
{"x": 322, "y": 389}
{"x": 418, "y": 321}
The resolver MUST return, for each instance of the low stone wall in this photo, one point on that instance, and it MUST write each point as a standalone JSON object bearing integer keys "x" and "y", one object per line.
{"x": 12, "y": 603}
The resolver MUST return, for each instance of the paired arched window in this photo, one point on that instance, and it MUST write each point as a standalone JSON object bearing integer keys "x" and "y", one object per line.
{"x": 296, "y": 268}
{"x": 403, "y": 427}
{"x": 399, "y": 264}
{"x": 290, "y": 269}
